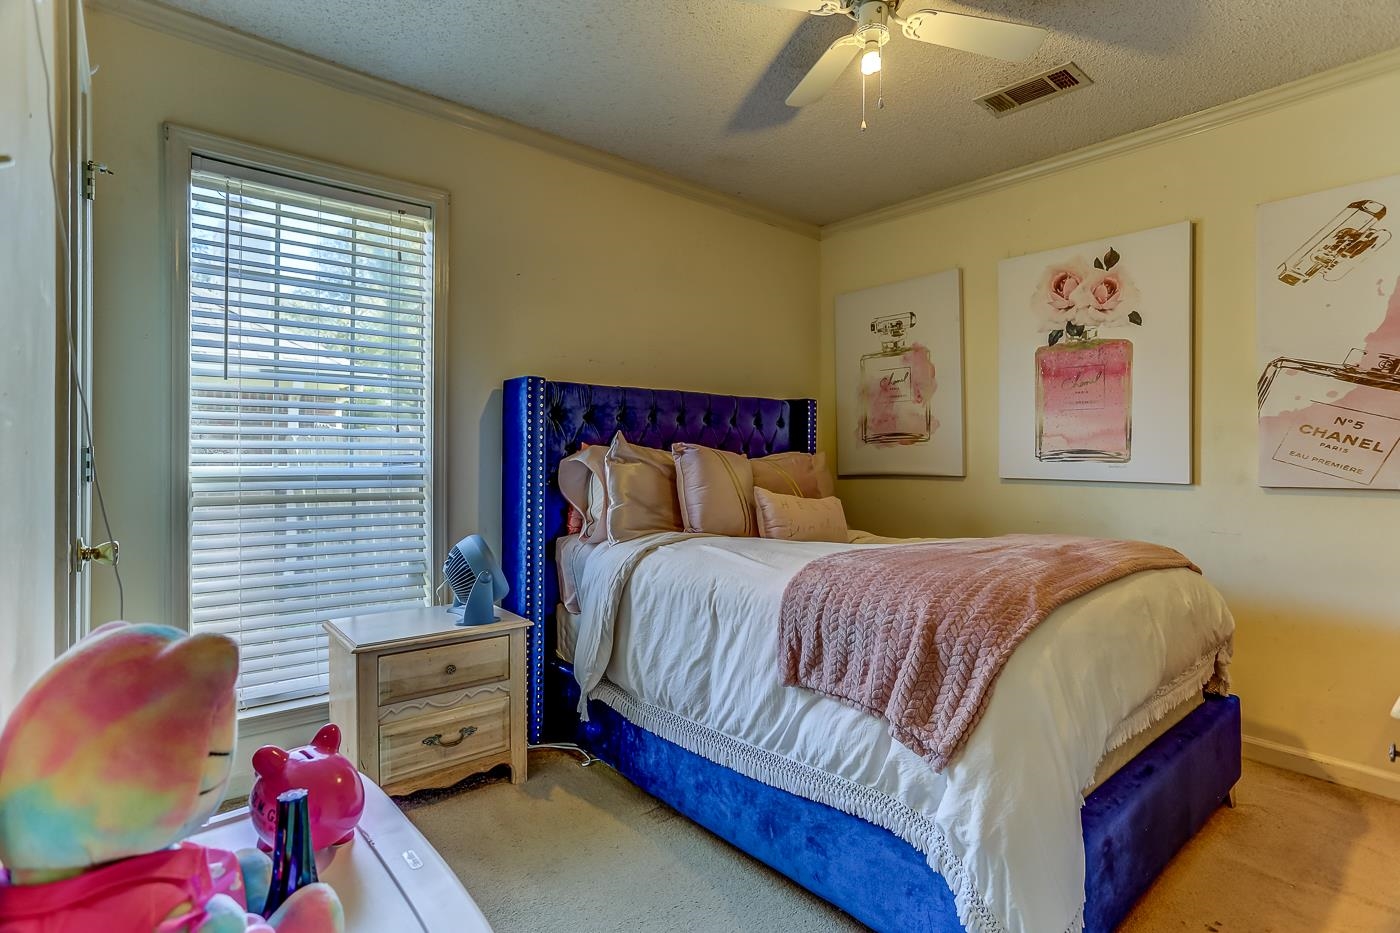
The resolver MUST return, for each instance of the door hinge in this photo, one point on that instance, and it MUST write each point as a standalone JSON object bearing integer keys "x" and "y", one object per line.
{"x": 91, "y": 170}
{"x": 87, "y": 464}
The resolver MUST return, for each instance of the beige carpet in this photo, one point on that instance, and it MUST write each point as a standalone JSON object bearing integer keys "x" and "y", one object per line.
{"x": 577, "y": 850}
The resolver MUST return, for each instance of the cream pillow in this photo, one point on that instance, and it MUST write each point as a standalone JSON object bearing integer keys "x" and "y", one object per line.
{"x": 797, "y": 518}
{"x": 581, "y": 480}
{"x": 715, "y": 489}
{"x": 641, "y": 488}
{"x": 794, "y": 474}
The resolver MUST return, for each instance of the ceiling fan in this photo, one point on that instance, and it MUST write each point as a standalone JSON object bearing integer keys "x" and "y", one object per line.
{"x": 992, "y": 37}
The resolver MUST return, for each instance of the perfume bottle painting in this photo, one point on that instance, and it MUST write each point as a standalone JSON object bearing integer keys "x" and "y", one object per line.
{"x": 1084, "y": 382}
{"x": 896, "y": 386}
{"x": 1084, "y": 401}
{"x": 1335, "y": 420}
{"x": 1338, "y": 245}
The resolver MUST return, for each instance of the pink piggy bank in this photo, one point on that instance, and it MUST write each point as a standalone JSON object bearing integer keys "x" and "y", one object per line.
{"x": 336, "y": 796}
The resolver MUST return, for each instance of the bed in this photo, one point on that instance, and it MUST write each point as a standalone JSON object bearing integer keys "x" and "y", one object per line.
{"x": 1132, "y": 822}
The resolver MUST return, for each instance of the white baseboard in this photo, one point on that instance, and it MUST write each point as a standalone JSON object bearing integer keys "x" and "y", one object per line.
{"x": 1337, "y": 770}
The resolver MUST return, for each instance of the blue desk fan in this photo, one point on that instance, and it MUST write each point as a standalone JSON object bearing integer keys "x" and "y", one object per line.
{"x": 476, "y": 580}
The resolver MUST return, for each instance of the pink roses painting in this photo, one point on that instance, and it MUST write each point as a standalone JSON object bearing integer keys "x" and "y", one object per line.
{"x": 1076, "y": 298}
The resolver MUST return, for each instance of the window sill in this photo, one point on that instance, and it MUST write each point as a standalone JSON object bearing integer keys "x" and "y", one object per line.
{"x": 288, "y": 714}
{"x": 286, "y": 724}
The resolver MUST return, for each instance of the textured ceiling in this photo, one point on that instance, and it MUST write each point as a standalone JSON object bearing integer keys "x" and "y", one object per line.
{"x": 696, "y": 89}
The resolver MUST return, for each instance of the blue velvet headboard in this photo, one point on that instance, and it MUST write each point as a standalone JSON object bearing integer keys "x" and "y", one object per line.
{"x": 546, "y": 421}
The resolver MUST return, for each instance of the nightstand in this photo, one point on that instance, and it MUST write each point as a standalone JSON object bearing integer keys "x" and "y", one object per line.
{"x": 424, "y": 702}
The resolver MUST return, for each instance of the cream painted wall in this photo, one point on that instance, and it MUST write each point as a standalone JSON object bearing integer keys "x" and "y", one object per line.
{"x": 1311, "y": 575}
{"x": 556, "y": 269}
{"x": 29, "y": 569}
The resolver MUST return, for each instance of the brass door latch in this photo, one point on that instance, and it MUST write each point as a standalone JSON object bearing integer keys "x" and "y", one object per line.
{"x": 108, "y": 552}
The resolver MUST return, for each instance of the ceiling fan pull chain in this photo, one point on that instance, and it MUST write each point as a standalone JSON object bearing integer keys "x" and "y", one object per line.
{"x": 880, "y": 89}
{"x": 863, "y": 125}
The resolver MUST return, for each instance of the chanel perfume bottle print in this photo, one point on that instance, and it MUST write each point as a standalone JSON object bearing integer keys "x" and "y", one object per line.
{"x": 896, "y": 386}
{"x": 1329, "y": 340}
{"x": 1338, "y": 245}
{"x": 1329, "y": 418}
{"x": 1084, "y": 382}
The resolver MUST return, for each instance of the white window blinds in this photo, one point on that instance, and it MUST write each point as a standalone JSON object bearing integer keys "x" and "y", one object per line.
{"x": 309, "y": 416}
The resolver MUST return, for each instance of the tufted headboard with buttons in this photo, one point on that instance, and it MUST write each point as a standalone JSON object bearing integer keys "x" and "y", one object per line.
{"x": 546, "y": 421}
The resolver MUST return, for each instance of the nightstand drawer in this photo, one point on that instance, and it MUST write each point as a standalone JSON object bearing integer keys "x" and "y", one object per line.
{"x": 418, "y": 744}
{"x": 411, "y": 674}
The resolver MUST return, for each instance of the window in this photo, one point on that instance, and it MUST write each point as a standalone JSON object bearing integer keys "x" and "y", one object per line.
{"x": 310, "y": 413}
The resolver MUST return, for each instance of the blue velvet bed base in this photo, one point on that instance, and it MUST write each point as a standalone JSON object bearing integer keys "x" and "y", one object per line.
{"x": 1133, "y": 823}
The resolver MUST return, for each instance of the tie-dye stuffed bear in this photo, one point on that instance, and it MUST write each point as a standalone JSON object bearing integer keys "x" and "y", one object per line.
{"x": 122, "y": 749}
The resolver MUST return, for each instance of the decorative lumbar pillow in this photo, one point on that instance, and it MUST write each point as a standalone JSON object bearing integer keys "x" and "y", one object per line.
{"x": 798, "y": 518}
{"x": 641, "y": 488}
{"x": 582, "y": 481}
{"x": 715, "y": 488}
{"x": 794, "y": 474}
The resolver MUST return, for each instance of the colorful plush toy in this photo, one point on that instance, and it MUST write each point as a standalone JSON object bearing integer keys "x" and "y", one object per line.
{"x": 120, "y": 750}
{"x": 337, "y": 795}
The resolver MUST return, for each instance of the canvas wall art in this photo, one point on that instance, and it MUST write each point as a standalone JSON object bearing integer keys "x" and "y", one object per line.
{"x": 1095, "y": 360}
{"x": 1328, "y": 300}
{"x": 899, "y": 379}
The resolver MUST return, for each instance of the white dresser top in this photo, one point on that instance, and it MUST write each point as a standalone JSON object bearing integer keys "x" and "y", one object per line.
{"x": 388, "y": 878}
{"x": 412, "y": 627}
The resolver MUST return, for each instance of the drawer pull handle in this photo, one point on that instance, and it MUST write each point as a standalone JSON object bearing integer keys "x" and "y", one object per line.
{"x": 450, "y": 670}
{"x": 462, "y": 733}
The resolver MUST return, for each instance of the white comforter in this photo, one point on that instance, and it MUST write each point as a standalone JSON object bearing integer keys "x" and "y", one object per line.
{"x": 689, "y": 624}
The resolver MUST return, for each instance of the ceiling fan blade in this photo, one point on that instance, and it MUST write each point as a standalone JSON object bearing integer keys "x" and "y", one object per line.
{"x": 825, "y": 72}
{"x": 992, "y": 37}
{"x": 814, "y": 7}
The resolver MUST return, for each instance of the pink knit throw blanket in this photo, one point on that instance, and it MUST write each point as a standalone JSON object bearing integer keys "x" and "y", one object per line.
{"x": 918, "y": 633}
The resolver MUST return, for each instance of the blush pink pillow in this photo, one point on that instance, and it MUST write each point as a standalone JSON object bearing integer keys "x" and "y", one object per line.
{"x": 798, "y": 518}
{"x": 715, "y": 488}
{"x": 794, "y": 474}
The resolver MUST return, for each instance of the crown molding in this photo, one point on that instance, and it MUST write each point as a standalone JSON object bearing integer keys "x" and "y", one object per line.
{"x": 180, "y": 24}
{"x": 1199, "y": 122}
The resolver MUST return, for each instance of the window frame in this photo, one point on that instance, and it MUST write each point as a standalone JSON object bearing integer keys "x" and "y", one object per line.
{"x": 181, "y": 145}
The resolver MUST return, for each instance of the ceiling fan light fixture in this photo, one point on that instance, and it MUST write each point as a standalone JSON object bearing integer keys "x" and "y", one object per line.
{"x": 870, "y": 59}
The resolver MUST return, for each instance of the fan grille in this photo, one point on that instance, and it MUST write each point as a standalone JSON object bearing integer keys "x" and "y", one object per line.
{"x": 459, "y": 574}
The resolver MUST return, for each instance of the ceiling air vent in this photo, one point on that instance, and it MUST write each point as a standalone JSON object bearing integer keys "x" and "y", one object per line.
{"x": 1053, "y": 83}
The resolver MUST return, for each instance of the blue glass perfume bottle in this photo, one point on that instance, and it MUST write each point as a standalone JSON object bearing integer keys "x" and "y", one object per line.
{"x": 293, "y": 859}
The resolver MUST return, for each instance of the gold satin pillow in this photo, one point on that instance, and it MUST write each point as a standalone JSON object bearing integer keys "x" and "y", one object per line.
{"x": 794, "y": 474}
{"x": 797, "y": 518}
{"x": 715, "y": 489}
{"x": 641, "y": 488}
